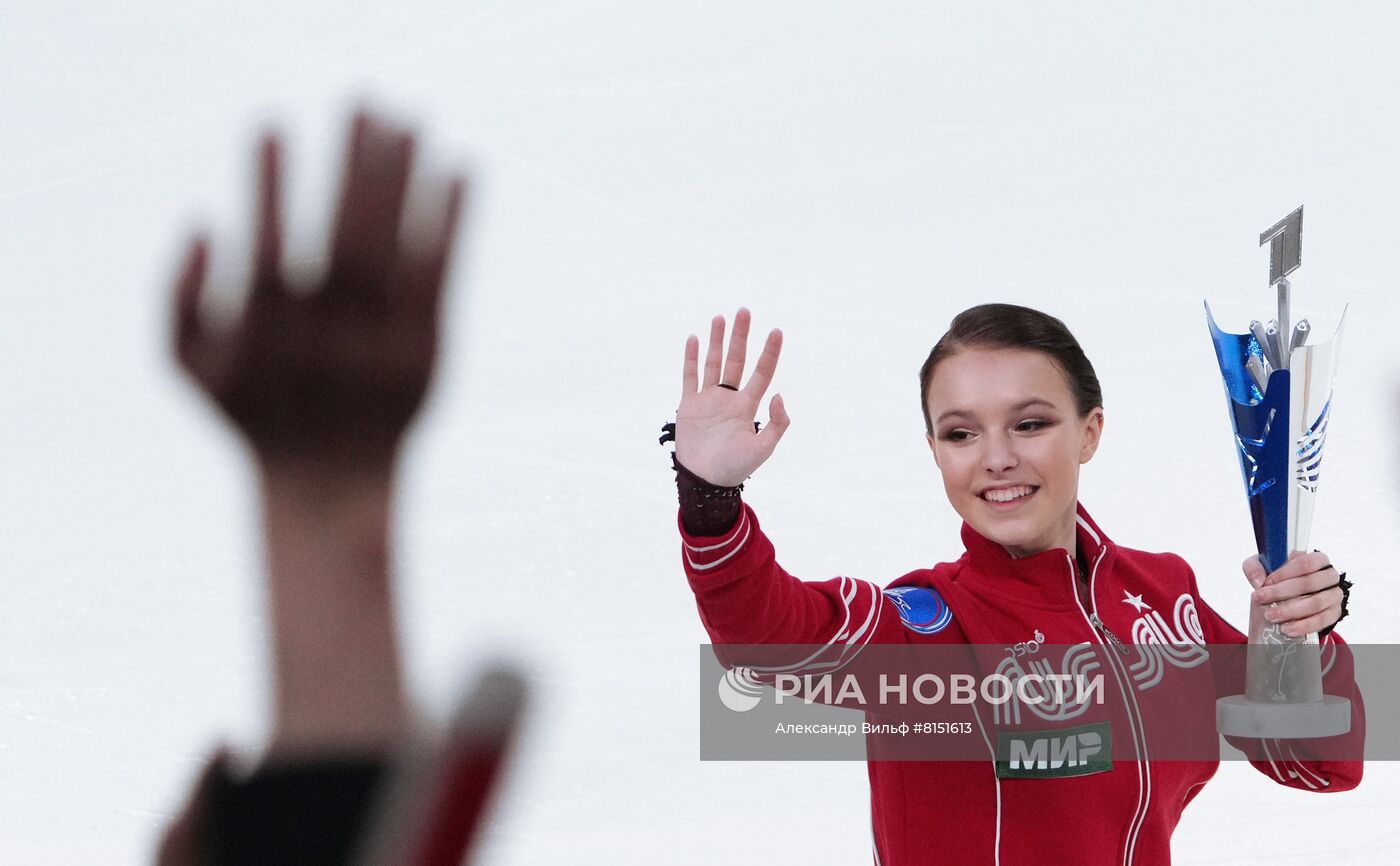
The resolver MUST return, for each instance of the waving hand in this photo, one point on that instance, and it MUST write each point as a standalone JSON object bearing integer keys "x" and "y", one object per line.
{"x": 715, "y": 437}
{"x": 334, "y": 375}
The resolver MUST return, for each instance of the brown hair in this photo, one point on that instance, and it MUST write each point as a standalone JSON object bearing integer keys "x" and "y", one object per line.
{"x": 1009, "y": 326}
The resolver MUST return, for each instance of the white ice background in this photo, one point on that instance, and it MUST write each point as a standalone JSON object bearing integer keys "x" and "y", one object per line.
{"x": 856, "y": 174}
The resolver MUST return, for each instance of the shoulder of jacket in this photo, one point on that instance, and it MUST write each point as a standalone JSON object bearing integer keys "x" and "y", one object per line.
{"x": 1163, "y": 557}
{"x": 927, "y": 576}
{"x": 1162, "y": 567}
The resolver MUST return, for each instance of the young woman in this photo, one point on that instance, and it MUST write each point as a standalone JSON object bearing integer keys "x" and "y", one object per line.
{"x": 1012, "y": 409}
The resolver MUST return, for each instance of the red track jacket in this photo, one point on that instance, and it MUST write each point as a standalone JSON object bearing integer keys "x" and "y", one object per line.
{"x": 962, "y": 812}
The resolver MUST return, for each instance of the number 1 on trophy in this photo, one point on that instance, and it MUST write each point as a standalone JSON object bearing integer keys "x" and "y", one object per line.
{"x": 1277, "y": 339}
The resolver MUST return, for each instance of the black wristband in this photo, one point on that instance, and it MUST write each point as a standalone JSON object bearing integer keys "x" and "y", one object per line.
{"x": 305, "y": 811}
{"x": 706, "y": 509}
{"x": 1346, "y": 596}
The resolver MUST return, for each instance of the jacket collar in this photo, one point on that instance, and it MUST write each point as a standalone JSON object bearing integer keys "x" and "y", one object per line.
{"x": 1045, "y": 577}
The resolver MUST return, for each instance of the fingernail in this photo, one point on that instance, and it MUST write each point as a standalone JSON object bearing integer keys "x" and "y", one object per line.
{"x": 1270, "y": 615}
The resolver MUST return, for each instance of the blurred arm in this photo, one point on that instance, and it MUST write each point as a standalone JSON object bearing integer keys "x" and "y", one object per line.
{"x": 335, "y": 654}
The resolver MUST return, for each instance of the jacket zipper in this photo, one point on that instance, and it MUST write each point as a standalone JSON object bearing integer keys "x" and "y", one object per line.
{"x": 1104, "y": 637}
{"x": 1098, "y": 624}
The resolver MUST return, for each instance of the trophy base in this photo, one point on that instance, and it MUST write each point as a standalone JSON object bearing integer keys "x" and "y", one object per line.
{"x": 1236, "y": 716}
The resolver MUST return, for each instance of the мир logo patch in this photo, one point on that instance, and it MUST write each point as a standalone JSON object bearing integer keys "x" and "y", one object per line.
{"x": 1056, "y": 753}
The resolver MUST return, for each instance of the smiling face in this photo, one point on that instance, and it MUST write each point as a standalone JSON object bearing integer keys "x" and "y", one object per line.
{"x": 1009, "y": 440}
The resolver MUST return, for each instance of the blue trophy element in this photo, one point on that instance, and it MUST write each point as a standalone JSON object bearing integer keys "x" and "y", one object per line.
{"x": 1261, "y": 422}
{"x": 1279, "y": 391}
{"x": 1310, "y": 450}
{"x": 1252, "y": 450}
{"x": 1279, "y": 433}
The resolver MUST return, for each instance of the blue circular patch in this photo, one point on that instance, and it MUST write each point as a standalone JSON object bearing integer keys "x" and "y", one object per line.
{"x": 921, "y": 608}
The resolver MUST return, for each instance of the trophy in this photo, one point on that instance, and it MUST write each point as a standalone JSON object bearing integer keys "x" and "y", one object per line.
{"x": 1279, "y": 390}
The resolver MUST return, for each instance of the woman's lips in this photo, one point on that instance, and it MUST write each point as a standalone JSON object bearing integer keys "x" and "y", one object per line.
{"x": 1013, "y": 503}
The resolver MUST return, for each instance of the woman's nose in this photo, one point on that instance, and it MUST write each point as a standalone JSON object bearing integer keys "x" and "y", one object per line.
{"x": 998, "y": 454}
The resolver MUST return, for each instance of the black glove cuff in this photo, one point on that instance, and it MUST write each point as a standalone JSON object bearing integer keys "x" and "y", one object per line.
{"x": 1346, "y": 596}
{"x": 706, "y": 509}
{"x": 305, "y": 811}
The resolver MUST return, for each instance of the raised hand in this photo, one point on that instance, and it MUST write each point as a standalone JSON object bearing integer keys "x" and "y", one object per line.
{"x": 330, "y": 376}
{"x": 715, "y": 437}
{"x": 1302, "y": 596}
{"x": 323, "y": 381}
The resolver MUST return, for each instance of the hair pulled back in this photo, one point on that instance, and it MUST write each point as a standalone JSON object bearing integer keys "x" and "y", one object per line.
{"x": 1010, "y": 326}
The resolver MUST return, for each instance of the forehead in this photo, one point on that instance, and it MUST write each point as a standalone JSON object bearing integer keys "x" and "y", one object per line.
{"x": 990, "y": 380}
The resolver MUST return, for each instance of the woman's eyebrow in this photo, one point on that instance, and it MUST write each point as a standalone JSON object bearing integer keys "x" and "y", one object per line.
{"x": 1024, "y": 404}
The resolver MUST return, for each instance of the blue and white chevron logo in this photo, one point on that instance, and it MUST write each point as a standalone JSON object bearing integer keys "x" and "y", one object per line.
{"x": 921, "y": 608}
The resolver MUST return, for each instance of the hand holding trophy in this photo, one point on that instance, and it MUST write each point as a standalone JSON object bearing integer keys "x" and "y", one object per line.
{"x": 1280, "y": 395}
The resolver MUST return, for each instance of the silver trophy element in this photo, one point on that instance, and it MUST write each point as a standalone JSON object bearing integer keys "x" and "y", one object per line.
{"x": 1279, "y": 392}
